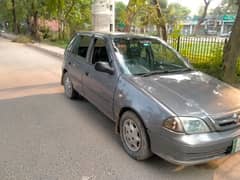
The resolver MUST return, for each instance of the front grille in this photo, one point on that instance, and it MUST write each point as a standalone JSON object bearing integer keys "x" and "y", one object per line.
{"x": 211, "y": 153}
{"x": 226, "y": 122}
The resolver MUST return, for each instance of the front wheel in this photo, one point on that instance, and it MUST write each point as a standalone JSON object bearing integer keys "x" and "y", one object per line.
{"x": 134, "y": 137}
{"x": 68, "y": 87}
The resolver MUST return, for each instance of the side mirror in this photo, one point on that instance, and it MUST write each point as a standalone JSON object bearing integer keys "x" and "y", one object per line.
{"x": 104, "y": 67}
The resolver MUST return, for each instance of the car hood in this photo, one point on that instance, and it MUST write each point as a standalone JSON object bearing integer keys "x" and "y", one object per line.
{"x": 191, "y": 93}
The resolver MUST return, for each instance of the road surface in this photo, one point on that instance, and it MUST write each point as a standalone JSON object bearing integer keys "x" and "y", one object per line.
{"x": 45, "y": 136}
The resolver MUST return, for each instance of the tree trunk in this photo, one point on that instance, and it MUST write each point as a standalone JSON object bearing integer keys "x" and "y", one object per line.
{"x": 232, "y": 51}
{"x": 34, "y": 22}
{"x": 201, "y": 19}
{"x": 35, "y": 25}
{"x": 28, "y": 21}
{"x": 129, "y": 21}
{"x": 128, "y": 26}
{"x": 161, "y": 27}
{"x": 164, "y": 33}
{"x": 15, "y": 29}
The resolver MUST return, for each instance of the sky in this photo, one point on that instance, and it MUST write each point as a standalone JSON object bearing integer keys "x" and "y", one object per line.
{"x": 193, "y": 5}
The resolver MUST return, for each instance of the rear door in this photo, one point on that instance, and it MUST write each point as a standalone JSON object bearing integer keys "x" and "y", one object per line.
{"x": 78, "y": 63}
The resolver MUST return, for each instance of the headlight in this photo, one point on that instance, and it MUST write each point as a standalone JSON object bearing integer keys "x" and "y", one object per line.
{"x": 193, "y": 125}
{"x": 189, "y": 125}
{"x": 173, "y": 124}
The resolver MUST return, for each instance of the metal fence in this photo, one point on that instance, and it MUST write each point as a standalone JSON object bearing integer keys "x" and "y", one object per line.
{"x": 200, "y": 50}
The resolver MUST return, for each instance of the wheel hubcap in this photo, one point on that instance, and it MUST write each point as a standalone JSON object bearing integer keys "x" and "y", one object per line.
{"x": 131, "y": 135}
{"x": 68, "y": 86}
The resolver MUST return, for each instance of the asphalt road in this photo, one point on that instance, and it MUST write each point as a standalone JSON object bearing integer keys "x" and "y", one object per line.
{"x": 45, "y": 136}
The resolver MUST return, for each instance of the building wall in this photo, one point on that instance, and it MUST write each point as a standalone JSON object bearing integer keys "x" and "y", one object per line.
{"x": 103, "y": 13}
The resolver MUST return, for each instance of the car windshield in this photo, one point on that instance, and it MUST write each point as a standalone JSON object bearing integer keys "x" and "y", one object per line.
{"x": 139, "y": 56}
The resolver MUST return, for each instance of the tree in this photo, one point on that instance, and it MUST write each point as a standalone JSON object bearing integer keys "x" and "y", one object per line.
{"x": 232, "y": 50}
{"x": 120, "y": 14}
{"x": 29, "y": 11}
{"x": 6, "y": 13}
{"x": 11, "y": 12}
{"x": 15, "y": 29}
{"x": 133, "y": 7}
{"x": 176, "y": 13}
{"x": 150, "y": 10}
{"x": 161, "y": 24}
{"x": 80, "y": 17}
{"x": 225, "y": 8}
{"x": 204, "y": 14}
{"x": 73, "y": 13}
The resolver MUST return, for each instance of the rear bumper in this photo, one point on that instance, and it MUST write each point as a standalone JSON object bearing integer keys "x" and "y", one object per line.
{"x": 192, "y": 149}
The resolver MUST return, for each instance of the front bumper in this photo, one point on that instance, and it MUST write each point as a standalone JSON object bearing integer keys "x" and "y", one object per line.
{"x": 192, "y": 149}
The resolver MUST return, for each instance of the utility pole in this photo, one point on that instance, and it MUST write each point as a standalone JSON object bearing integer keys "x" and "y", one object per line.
{"x": 103, "y": 15}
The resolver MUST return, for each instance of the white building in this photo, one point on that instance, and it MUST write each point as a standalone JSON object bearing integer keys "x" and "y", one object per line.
{"x": 103, "y": 13}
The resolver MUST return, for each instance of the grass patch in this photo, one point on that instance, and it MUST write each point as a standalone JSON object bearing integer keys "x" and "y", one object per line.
{"x": 22, "y": 39}
{"x": 211, "y": 69}
{"x": 58, "y": 43}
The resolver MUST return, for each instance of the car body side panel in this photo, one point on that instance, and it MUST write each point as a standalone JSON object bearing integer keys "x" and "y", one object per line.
{"x": 128, "y": 96}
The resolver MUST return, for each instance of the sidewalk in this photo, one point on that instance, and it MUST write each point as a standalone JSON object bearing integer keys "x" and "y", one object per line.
{"x": 52, "y": 50}
{"x": 8, "y": 35}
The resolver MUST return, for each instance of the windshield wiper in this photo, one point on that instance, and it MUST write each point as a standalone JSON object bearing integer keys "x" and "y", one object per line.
{"x": 163, "y": 72}
{"x": 184, "y": 70}
{"x": 154, "y": 73}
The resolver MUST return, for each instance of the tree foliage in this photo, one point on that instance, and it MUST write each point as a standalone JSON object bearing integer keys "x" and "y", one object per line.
{"x": 120, "y": 14}
{"x": 226, "y": 7}
{"x": 176, "y": 13}
{"x": 69, "y": 13}
{"x": 158, "y": 13}
{"x": 203, "y": 15}
{"x": 147, "y": 12}
{"x": 72, "y": 14}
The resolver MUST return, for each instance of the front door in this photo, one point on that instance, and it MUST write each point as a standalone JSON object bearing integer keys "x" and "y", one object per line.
{"x": 99, "y": 86}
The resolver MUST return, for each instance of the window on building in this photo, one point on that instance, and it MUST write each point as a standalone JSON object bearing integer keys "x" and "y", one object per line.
{"x": 111, "y": 27}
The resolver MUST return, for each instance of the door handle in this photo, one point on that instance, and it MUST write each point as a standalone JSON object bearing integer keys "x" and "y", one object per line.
{"x": 69, "y": 63}
{"x": 86, "y": 73}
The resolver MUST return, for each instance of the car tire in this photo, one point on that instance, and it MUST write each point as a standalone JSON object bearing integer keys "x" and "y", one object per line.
{"x": 69, "y": 90}
{"x": 134, "y": 137}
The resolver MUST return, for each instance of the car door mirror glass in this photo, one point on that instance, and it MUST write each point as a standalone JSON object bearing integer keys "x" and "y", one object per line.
{"x": 104, "y": 67}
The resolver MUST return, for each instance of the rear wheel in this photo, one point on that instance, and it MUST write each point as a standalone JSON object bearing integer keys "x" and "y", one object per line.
{"x": 134, "y": 137}
{"x": 68, "y": 87}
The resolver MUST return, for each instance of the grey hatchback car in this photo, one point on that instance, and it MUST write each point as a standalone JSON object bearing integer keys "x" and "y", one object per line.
{"x": 159, "y": 103}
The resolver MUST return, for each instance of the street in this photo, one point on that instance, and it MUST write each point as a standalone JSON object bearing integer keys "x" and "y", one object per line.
{"x": 45, "y": 136}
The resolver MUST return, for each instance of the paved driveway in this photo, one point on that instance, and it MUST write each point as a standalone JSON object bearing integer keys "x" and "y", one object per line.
{"x": 45, "y": 136}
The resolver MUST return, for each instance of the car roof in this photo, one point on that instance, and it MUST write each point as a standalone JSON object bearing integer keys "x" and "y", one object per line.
{"x": 116, "y": 34}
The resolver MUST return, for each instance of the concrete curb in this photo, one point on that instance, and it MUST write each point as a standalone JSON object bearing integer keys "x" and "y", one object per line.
{"x": 45, "y": 50}
{"x": 8, "y": 36}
